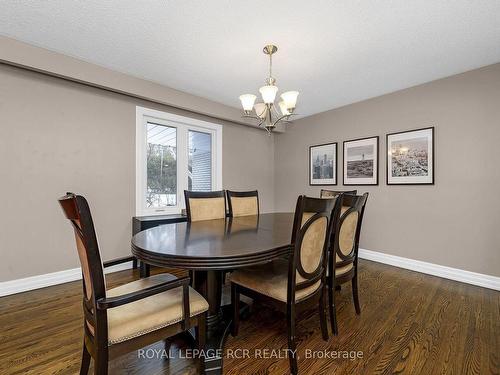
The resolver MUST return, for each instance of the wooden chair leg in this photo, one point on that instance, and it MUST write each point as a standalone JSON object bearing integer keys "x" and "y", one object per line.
{"x": 322, "y": 314}
{"x": 355, "y": 296}
{"x": 101, "y": 362}
{"x": 332, "y": 308}
{"x": 168, "y": 344}
{"x": 84, "y": 368}
{"x": 201, "y": 337}
{"x": 292, "y": 354}
{"x": 235, "y": 302}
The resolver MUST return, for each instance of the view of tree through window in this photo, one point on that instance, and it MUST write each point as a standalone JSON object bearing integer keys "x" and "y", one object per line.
{"x": 200, "y": 161}
{"x": 161, "y": 166}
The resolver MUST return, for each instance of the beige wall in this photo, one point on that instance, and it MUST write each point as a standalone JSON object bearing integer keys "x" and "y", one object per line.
{"x": 453, "y": 223}
{"x": 57, "y": 136}
{"x": 20, "y": 54}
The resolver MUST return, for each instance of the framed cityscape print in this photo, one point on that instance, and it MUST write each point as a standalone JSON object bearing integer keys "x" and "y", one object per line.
{"x": 323, "y": 164}
{"x": 361, "y": 161}
{"x": 410, "y": 157}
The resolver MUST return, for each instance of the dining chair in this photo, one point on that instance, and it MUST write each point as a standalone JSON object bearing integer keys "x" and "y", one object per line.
{"x": 299, "y": 282}
{"x": 130, "y": 316}
{"x": 343, "y": 257}
{"x": 200, "y": 205}
{"x": 205, "y": 205}
{"x": 243, "y": 203}
{"x": 333, "y": 193}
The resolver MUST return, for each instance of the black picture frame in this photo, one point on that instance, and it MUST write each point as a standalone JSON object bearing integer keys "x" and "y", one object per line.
{"x": 432, "y": 164}
{"x": 376, "y": 158}
{"x": 335, "y": 164}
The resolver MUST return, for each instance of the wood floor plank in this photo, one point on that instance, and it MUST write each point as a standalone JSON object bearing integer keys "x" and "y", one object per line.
{"x": 410, "y": 323}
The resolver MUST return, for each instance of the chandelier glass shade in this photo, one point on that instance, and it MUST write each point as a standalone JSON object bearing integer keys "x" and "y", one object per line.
{"x": 265, "y": 112}
{"x": 247, "y": 101}
{"x": 268, "y": 93}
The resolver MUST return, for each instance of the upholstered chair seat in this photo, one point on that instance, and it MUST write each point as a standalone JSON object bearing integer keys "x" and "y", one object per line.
{"x": 151, "y": 313}
{"x": 271, "y": 279}
{"x": 340, "y": 270}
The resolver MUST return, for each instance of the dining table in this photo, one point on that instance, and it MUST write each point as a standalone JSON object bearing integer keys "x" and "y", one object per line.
{"x": 209, "y": 249}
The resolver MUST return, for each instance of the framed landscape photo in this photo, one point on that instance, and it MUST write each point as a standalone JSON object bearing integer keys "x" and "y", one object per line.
{"x": 323, "y": 164}
{"x": 361, "y": 161}
{"x": 410, "y": 157}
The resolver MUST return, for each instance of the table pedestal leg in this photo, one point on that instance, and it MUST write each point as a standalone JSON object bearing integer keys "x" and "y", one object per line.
{"x": 209, "y": 284}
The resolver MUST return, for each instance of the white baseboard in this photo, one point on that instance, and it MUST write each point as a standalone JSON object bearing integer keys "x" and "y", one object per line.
{"x": 54, "y": 278}
{"x": 486, "y": 281}
{"x": 49, "y": 279}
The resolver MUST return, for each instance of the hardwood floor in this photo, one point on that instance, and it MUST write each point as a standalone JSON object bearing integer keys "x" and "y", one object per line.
{"x": 410, "y": 323}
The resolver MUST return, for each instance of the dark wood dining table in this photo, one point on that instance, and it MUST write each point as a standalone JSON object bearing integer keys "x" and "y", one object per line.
{"x": 210, "y": 247}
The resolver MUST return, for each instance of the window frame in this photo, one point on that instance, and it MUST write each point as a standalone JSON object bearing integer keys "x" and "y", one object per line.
{"x": 183, "y": 125}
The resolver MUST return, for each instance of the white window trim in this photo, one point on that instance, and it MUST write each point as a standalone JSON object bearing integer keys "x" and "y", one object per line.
{"x": 184, "y": 123}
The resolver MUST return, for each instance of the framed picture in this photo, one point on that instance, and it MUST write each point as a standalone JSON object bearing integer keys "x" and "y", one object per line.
{"x": 361, "y": 161}
{"x": 410, "y": 157}
{"x": 323, "y": 164}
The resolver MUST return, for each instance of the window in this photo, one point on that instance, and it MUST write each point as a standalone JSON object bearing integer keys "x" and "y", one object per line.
{"x": 200, "y": 161}
{"x": 174, "y": 153}
{"x": 161, "y": 166}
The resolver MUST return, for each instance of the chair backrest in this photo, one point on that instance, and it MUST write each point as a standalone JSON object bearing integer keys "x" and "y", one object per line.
{"x": 345, "y": 242}
{"x": 205, "y": 205}
{"x": 313, "y": 222}
{"x": 332, "y": 193}
{"x": 77, "y": 210}
{"x": 243, "y": 203}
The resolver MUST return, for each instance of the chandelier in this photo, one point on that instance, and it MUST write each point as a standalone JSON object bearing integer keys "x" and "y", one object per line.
{"x": 266, "y": 113}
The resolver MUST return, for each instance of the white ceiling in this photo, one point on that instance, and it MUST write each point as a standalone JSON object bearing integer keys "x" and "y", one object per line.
{"x": 333, "y": 52}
